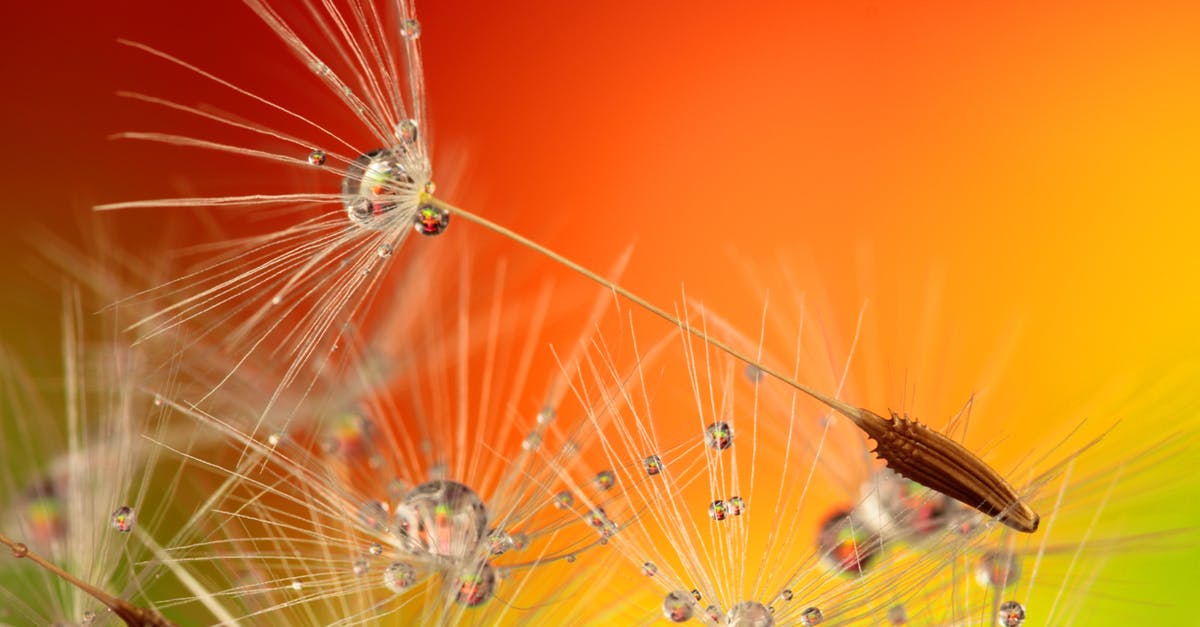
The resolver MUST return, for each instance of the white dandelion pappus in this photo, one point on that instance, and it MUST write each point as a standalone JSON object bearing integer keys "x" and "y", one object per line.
{"x": 400, "y": 507}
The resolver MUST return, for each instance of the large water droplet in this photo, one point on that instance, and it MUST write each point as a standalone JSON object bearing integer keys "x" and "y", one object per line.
{"x": 376, "y": 184}
{"x": 750, "y": 614}
{"x": 444, "y": 517}
{"x": 431, "y": 220}
{"x": 677, "y": 606}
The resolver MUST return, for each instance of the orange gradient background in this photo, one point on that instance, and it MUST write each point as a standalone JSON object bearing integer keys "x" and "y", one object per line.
{"x": 1012, "y": 189}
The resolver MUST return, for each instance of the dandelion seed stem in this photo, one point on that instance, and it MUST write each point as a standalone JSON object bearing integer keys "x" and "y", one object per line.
{"x": 132, "y": 615}
{"x": 869, "y": 422}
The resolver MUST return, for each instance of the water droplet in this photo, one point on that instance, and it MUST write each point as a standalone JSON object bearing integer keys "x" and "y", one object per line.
{"x": 475, "y": 587}
{"x": 897, "y": 615}
{"x": 410, "y": 29}
{"x": 499, "y": 542}
{"x": 399, "y": 576}
{"x": 384, "y": 251}
{"x": 564, "y": 500}
{"x": 719, "y": 435}
{"x": 361, "y": 567}
{"x": 718, "y": 510}
{"x": 811, "y": 616}
{"x": 297, "y": 586}
{"x": 348, "y": 435}
{"x": 845, "y": 544}
{"x": 19, "y": 550}
{"x": 375, "y": 549}
{"x": 546, "y": 416}
{"x": 754, "y": 373}
{"x": 123, "y": 519}
{"x": 653, "y": 465}
{"x": 374, "y": 515}
{"x": 532, "y": 441}
{"x": 430, "y": 187}
{"x": 316, "y": 157}
{"x": 605, "y": 480}
{"x": 696, "y": 594}
{"x": 998, "y": 570}
{"x": 376, "y": 184}
{"x": 599, "y": 520}
{"x": 677, "y": 606}
{"x": 714, "y": 614}
{"x": 519, "y": 540}
{"x": 1010, "y": 614}
{"x": 276, "y": 299}
{"x": 737, "y": 505}
{"x": 786, "y": 595}
{"x": 445, "y": 517}
{"x": 430, "y": 220}
{"x": 649, "y": 569}
{"x": 570, "y": 557}
{"x": 750, "y": 614}
{"x": 158, "y": 400}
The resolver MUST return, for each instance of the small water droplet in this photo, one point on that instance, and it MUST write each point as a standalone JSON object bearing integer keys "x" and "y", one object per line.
{"x": 649, "y": 569}
{"x": 811, "y": 616}
{"x": 532, "y": 441}
{"x": 410, "y": 29}
{"x": 297, "y": 586}
{"x": 430, "y": 220}
{"x": 475, "y": 587}
{"x": 998, "y": 570}
{"x": 653, "y": 465}
{"x": 570, "y": 557}
{"x": 1010, "y": 614}
{"x": 563, "y": 500}
{"x": 546, "y": 416}
{"x": 430, "y": 187}
{"x": 605, "y": 480}
{"x": 384, "y": 251}
{"x": 124, "y": 518}
{"x": 158, "y": 400}
{"x": 275, "y": 438}
{"x": 19, "y": 550}
{"x": 361, "y": 567}
{"x": 718, "y": 510}
{"x": 897, "y": 615}
{"x": 754, "y": 373}
{"x": 737, "y": 505}
{"x": 719, "y": 435}
{"x": 786, "y": 595}
{"x": 696, "y": 594}
{"x": 677, "y": 606}
{"x": 316, "y": 157}
{"x": 375, "y": 549}
{"x": 499, "y": 542}
{"x": 399, "y": 576}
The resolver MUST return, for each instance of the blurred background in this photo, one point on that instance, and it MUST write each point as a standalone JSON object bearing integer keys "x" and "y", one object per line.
{"x": 1011, "y": 191}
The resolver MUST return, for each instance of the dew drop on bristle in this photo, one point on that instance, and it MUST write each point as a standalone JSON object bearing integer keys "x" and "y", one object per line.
{"x": 714, "y": 614}
{"x": 1010, "y": 614}
{"x": 998, "y": 570}
{"x": 786, "y": 595}
{"x": 750, "y": 614}
{"x": 649, "y": 569}
{"x": 19, "y": 550}
{"x": 430, "y": 220}
{"x": 677, "y": 606}
{"x": 384, "y": 251}
{"x": 410, "y": 29}
{"x": 563, "y": 500}
{"x": 718, "y": 510}
{"x": 374, "y": 185}
{"x": 473, "y": 588}
{"x": 374, "y": 515}
{"x": 605, "y": 480}
{"x": 316, "y": 157}
{"x": 399, "y": 576}
{"x": 696, "y": 594}
{"x": 897, "y": 615}
{"x": 375, "y": 549}
{"x": 123, "y": 519}
{"x": 499, "y": 542}
{"x": 811, "y": 616}
{"x": 754, "y": 373}
{"x": 653, "y": 465}
{"x": 737, "y": 505}
{"x": 446, "y": 517}
{"x": 531, "y": 441}
{"x": 719, "y": 435}
{"x": 546, "y": 416}
{"x": 88, "y": 618}
{"x": 360, "y": 567}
